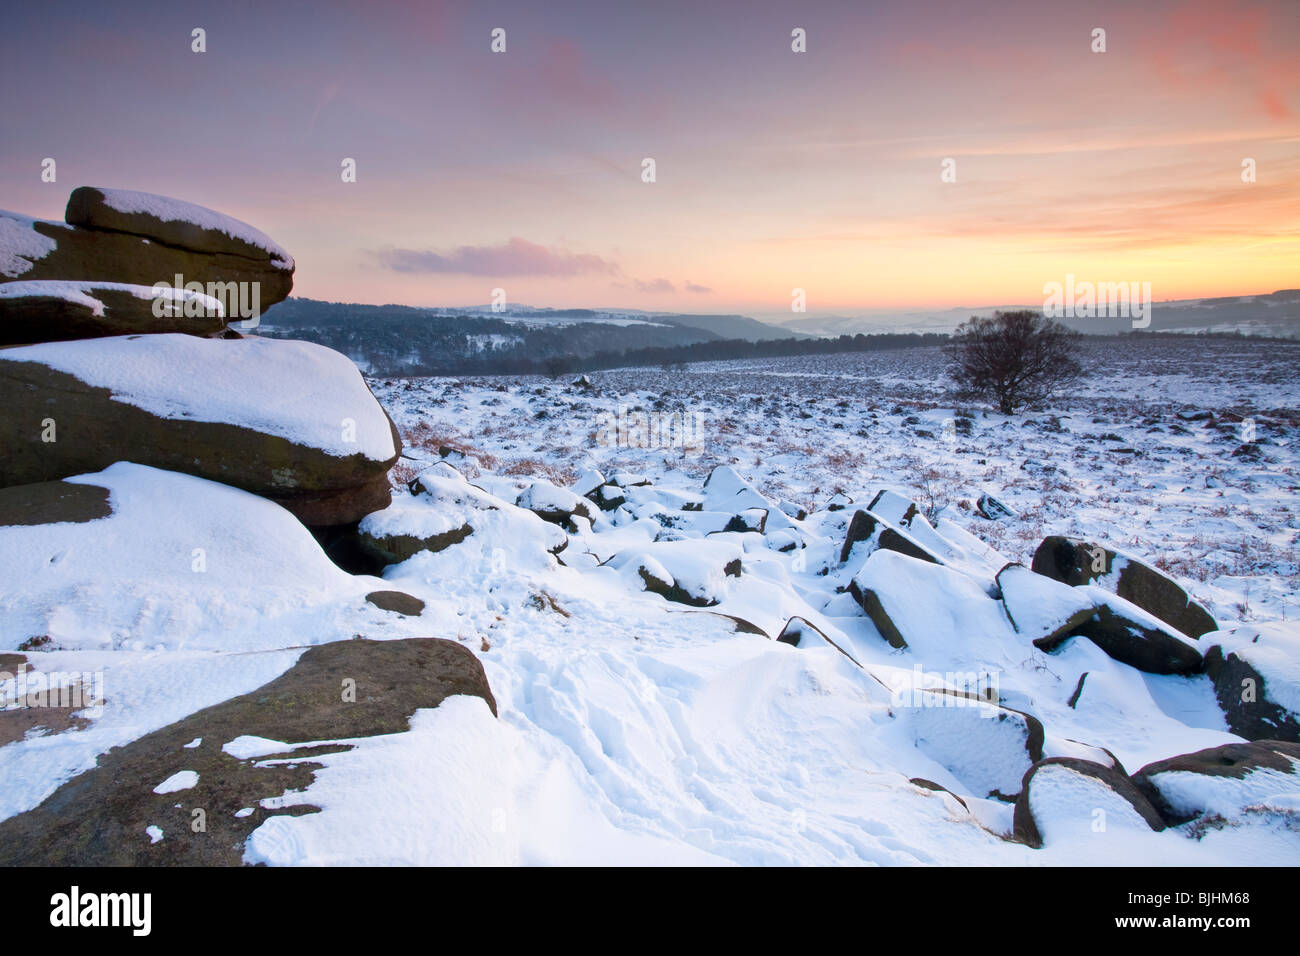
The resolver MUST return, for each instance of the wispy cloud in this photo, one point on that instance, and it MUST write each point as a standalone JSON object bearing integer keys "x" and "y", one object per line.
{"x": 516, "y": 257}
{"x": 652, "y": 285}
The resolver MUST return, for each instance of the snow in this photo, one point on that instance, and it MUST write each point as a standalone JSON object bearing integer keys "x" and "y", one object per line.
{"x": 1037, "y": 605}
{"x": 155, "y": 834}
{"x": 1273, "y": 649}
{"x": 181, "y": 563}
{"x": 181, "y": 780}
{"x": 546, "y": 497}
{"x": 247, "y": 747}
{"x": 1227, "y": 796}
{"x": 982, "y": 751}
{"x": 634, "y": 730}
{"x": 698, "y": 567}
{"x": 936, "y": 609}
{"x": 167, "y": 209}
{"x": 83, "y": 293}
{"x": 1070, "y": 807}
{"x": 303, "y": 392}
{"x": 21, "y": 244}
{"x": 501, "y": 531}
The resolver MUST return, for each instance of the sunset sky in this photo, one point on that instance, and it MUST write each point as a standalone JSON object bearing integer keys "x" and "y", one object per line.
{"x": 775, "y": 169}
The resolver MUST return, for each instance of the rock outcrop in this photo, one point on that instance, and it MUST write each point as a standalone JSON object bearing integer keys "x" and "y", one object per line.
{"x": 1254, "y": 670}
{"x": 32, "y": 249}
{"x": 172, "y": 222}
{"x": 292, "y": 421}
{"x": 54, "y": 311}
{"x": 1219, "y": 781}
{"x": 445, "y": 510}
{"x": 100, "y": 817}
{"x": 98, "y": 371}
{"x": 1074, "y": 561}
{"x": 1066, "y": 798}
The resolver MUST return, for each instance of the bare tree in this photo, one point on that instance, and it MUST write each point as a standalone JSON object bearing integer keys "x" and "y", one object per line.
{"x": 1017, "y": 358}
{"x": 557, "y": 365}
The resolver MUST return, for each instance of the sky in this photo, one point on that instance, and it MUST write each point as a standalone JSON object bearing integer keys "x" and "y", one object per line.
{"x": 775, "y": 170}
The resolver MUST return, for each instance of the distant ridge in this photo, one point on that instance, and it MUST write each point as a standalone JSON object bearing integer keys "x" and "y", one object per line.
{"x": 1269, "y": 314}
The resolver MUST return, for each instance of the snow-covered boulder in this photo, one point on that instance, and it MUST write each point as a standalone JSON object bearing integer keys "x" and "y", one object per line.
{"x": 627, "y": 479}
{"x": 135, "y": 556}
{"x": 797, "y": 631}
{"x": 992, "y": 509}
{"x": 292, "y": 421}
{"x": 671, "y": 498}
{"x": 444, "y": 510}
{"x": 798, "y": 512}
{"x": 689, "y": 572}
{"x": 555, "y": 504}
{"x": 1132, "y": 636}
{"x": 726, "y": 491}
{"x": 1256, "y": 674}
{"x": 895, "y": 508}
{"x": 608, "y": 497}
{"x": 1041, "y": 609}
{"x": 33, "y": 249}
{"x": 55, "y": 310}
{"x": 926, "y": 606}
{"x": 868, "y": 533}
{"x": 1074, "y": 561}
{"x": 587, "y": 482}
{"x": 171, "y": 221}
{"x": 1067, "y": 800}
{"x": 408, "y": 526}
{"x": 1223, "y": 781}
{"x": 244, "y": 759}
{"x": 894, "y": 523}
{"x": 800, "y": 632}
{"x": 988, "y": 748}
{"x": 837, "y": 502}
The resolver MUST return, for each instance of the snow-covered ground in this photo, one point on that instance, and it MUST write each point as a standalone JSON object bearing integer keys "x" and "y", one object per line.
{"x": 1111, "y": 461}
{"x": 634, "y": 729}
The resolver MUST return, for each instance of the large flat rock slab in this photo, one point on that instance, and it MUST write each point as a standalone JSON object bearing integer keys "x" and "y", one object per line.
{"x": 103, "y": 817}
{"x": 292, "y": 421}
{"x": 56, "y": 310}
{"x": 171, "y": 221}
{"x": 33, "y": 249}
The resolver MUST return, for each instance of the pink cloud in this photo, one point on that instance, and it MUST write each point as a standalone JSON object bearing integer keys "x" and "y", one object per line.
{"x": 516, "y": 257}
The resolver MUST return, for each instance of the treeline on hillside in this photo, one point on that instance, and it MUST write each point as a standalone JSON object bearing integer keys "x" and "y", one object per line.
{"x": 394, "y": 341}
{"x": 713, "y": 351}
{"x": 732, "y": 349}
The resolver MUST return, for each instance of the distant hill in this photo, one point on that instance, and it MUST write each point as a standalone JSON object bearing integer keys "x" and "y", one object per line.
{"x": 733, "y": 326}
{"x": 409, "y": 340}
{"x": 400, "y": 340}
{"x": 1273, "y": 314}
